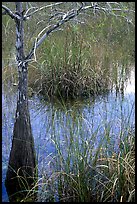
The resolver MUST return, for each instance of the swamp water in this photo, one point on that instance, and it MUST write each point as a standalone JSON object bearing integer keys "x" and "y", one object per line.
{"x": 109, "y": 114}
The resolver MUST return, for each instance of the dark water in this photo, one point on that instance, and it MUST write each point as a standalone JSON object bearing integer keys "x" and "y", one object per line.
{"x": 84, "y": 118}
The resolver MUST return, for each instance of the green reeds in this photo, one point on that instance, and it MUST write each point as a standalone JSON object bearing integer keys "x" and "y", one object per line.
{"x": 81, "y": 60}
{"x": 81, "y": 176}
{"x": 68, "y": 67}
{"x": 83, "y": 169}
{"x": 24, "y": 187}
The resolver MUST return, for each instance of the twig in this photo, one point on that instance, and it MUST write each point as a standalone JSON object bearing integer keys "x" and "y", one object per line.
{"x": 39, "y": 9}
{"x": 66, "y": 17}
{"x": 10, "y": 13}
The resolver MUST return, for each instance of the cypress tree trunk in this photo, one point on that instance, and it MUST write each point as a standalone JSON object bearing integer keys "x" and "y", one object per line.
{"x": 22, "y": 163}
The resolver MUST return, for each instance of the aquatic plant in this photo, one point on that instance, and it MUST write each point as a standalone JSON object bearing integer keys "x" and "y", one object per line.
{"x": 86, "y": 178}
{"x": 84, "y": 61}
{"x": 83, "y": 170}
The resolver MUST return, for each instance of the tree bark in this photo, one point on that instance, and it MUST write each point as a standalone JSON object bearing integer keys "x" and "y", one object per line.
{"x": 22, "y": 163}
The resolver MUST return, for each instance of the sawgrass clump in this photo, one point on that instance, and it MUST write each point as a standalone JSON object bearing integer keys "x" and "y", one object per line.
{"x": 83, "y": 173}
{"x": 82, "y": 60}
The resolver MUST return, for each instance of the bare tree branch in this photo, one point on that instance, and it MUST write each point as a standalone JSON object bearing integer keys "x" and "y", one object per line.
{"x": 61, "y": 16}
{"x": 106, "y": 9}
{"x": 65, "y": 18}
{"x": 10, "y": 13}
{"x": 39, "y": 9}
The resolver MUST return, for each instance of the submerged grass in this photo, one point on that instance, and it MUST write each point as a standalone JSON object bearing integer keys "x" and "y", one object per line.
{"x": 83, "y": 174}
{"x": 80, "y": 61}
{"x": 85, "y": 169}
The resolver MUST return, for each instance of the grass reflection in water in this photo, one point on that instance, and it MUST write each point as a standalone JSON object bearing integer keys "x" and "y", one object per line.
{"x": 85, "y": 150}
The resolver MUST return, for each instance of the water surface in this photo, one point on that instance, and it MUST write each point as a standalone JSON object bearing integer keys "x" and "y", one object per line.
{"x": 58, "y": 120}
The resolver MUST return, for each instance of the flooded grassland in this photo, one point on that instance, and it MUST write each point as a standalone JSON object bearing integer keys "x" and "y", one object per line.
{"x": 84, "y": 145}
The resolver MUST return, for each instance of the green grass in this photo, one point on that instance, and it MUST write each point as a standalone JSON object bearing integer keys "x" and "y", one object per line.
{"x": 76, "y": 63}
{"x": 81, "y": 60}
{"x": 26, "y": 186}
{"x": 86, "y": 170}
{"x": 85, "y": 59}
{"x": 82, "y": 172}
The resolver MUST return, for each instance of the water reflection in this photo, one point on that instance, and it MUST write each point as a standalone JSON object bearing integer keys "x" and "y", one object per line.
{"x": 50, "y": 120}
{"x": 130, "y": 86}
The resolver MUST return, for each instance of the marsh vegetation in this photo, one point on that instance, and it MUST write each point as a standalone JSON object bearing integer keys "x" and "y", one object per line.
{"x": 82, "y": 110}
